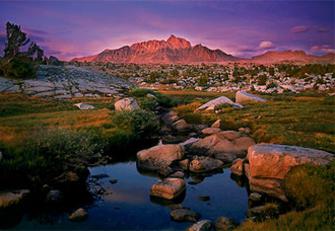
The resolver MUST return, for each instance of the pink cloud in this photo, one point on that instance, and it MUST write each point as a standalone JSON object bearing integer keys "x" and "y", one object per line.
{"x": 323, "y": 48}
{"x": 299, "y": 29}
{"x": 266, "y": 45}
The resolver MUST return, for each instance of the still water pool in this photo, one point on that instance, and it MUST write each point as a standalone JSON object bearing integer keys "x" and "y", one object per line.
{"x": 127, "y": 204}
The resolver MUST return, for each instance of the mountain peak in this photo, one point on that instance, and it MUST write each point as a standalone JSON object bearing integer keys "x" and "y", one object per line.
{"x": 178, "y": 43}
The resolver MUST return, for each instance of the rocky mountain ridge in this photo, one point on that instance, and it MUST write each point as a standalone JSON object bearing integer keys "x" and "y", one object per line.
{"x": 177, "y": 50}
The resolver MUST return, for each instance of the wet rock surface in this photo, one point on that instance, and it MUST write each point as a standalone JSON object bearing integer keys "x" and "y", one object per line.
{"x": 203, "y": 225}
{"x": 168, "y": 188}
{"x": 184, "y": 214}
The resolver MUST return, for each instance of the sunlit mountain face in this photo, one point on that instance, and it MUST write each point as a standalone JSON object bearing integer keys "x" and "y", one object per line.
{"x": 243, "y": 29}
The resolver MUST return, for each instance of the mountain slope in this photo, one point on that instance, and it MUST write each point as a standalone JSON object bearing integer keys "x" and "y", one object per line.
{"x": 291, "y": 57}
{"x": 173, "y": 50}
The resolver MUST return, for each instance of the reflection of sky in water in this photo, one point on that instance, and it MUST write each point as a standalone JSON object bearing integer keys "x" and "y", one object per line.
{"x": 128, "y": 206}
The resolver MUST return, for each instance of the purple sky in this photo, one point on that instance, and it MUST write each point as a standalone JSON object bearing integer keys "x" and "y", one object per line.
{"x": 67, "y": 29}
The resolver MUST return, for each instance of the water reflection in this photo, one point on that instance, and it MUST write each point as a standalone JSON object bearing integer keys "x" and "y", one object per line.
{"x": 127, "y": 204}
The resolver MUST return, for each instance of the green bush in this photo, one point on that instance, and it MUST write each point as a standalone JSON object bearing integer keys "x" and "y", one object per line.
{"x": 163, "y": 100}
{"x": 19, "y": 68}
{"x": 48, "y": 154}
{"x": 262, "y": 80}
{"x": 140, "y": 124}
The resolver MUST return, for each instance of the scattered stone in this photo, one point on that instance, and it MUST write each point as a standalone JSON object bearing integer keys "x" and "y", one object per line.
{"x": 170, "y": 117}
{"x": 178, "y": 174}
{"x": 203, "y": 225}
{"x": 216, "y": 124}
{"x": 244, "y": 130}
{"x": 237, "y": 167}
{"x": 165, "y": 171}
{"x": 269, "y": 210}
{"x": 213, "y": 104}
{"x": 78, "y": 215}
{"x": 54, "y": 196}
{"x": 210, "y": 131}
{"x": 84, "y": 106}
{"x": 202, "y": 164}
{"x": 244, "y": 97}
{"x": 160, "y": 156}
{"x": 184, "y": 164}
{"x": 189, "y": 141}
{"x": 184, "y": 214}
{"x": 224, "y": 224}
{"x": 255, "y": 197}
{"x": 12, "y": 198}
{"x": 230, "y": 135}
{"x": 168, "y": 188}
{"x": 126, "y": 104}
{"x": 181, "y": 125}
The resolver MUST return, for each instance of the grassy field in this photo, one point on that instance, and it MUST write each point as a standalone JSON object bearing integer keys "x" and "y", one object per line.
{"x": 295, "y": 120}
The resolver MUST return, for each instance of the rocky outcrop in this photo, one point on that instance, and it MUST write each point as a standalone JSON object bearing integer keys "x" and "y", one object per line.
{"x": 126, "y": 104}
{"x": 245, "y": 97}
{"x": 215, "y": 103}
{"x": 168, "y": 188}
{"x": 184, "y": 214}
{"x": 275, "y": 161}
{"x": 65, "y": 82}
{"x": 160, "y": 156}
{"x": 226, "y": 145}
{"x": 201, "y": 164}
{"x": 269, "y": 164}
{"x": 203, "y": 225}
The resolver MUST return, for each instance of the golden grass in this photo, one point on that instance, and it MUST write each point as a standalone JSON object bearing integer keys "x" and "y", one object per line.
{"x": 16, "y": 127}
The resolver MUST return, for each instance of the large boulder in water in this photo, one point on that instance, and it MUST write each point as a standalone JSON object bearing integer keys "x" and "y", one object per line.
{"x": 160, "y": 156}
{"x": 126, "y": 104}
{"x": 169, "y": 188}
{"x": 242, "y": 97}
{"x": 269, "y": 164}
{"x": 214, "y": 103}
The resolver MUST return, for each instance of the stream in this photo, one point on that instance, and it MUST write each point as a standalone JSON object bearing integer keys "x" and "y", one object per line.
{"x": 126, "y": 204}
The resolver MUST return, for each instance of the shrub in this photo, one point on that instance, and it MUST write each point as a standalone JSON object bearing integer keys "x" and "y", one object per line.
{"x": 47, "y": 154}
{"x": 139, "y": 123}
{"x": 262, "y": 80}
{"x": 309, "y": 185}
{"x": 19, "y": 68}
{"x": 163, "y": 100}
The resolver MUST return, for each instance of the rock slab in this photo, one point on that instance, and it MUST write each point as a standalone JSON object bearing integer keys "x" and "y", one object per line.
{"x": 168, "y": 188}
